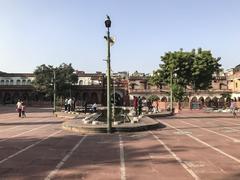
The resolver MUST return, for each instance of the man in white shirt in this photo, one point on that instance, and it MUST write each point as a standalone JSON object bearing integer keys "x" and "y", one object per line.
{"x": 69, "y": 104}
{"x": 19, "y": 107}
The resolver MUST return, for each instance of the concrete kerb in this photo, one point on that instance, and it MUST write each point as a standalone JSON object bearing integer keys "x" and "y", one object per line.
{"x": 66, "y": 115}
{"x": 156, "y": 115}
{"x": 146, "y": 123}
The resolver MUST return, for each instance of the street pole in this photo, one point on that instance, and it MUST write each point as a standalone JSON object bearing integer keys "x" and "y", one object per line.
{"x": 109, "y": 116}
{"x": 113, "y": 100}
{"x": 54, "y": 90}
{"x": 171, "y": 91}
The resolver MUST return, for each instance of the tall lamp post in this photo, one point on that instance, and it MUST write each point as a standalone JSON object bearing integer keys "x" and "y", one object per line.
{"x": 114, "y": 101}
{"x": 109, "y": 120}
{"x": 171, "y": 92}
{"x": 54, "y": 90}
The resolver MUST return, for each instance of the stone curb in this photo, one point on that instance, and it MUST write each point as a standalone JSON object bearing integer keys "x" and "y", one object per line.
{"x": 82, "y": 128}
{"x": 67, "y": 116}
{"x": 159, "y": 115}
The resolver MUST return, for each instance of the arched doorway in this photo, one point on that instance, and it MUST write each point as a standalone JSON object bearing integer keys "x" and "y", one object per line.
{"x": 194, "y": 99}
{"x": 214, "y": 102}
{"x": 194, "y": 104}
{"x": 163, "y": 99}
{"x": 94, "y": 98}
{"x": 228, "y": 101}
{"x": 85, "y": 96}
{"x": 77, "y": 96}
{"x": 15, "y": 97}
{"x": 208, "y": 102}
{"x": 118, "y": 99}
{"x": 201, "y": 102}
{"x": 221, "y": 102}
{"x": 7, "y": 98}
{"x": 185, "y": 103}
{"x": 25, "y": 97}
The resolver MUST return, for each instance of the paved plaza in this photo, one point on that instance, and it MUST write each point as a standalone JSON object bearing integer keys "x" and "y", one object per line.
{"x": 193, "y": 145}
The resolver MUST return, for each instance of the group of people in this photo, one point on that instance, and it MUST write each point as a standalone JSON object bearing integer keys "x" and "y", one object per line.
{"x": 21, "y": 108}
{"x": 137, "y": 104}
{"x": 69, "y": 104}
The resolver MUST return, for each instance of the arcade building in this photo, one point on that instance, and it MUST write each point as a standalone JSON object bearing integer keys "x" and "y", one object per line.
{"x": 91, "y": 87}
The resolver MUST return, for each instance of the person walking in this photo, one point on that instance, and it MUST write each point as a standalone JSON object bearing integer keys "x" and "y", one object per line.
{"x": 149, "y": 105}
{"x": 69, "y": 104}
{"x": 135, "y": 105}
{"x": 19, "y": 107}
{"x": 139, "y": 105}
{"x": 23, "y": 110}
{"x": 66, "y": 104}
{"x": 233, "y": 108}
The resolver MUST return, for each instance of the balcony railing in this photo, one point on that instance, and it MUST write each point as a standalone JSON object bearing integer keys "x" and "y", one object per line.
{"x": 147, "y": 90}
{"x": 167, "y": 90}
{"x": 16, "y": 87}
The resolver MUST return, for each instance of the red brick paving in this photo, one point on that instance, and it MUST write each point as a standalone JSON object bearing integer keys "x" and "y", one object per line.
{"x": 98, "y": 156}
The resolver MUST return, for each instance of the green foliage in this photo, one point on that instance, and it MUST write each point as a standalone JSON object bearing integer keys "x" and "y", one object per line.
{"x": 226, "y": 95}
{"x": 204, "y": 66}
{"x": 157, "y": 79}
{"x": 153, "y": 98}
{"x": 65, "y": 76}
{"x": 178, "y": 92}
{"x": 193, "y": 68}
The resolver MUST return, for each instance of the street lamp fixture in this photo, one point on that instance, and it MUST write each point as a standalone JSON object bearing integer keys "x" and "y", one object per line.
{"x": 109, "y": 120}
{"x": 108, "y": 22}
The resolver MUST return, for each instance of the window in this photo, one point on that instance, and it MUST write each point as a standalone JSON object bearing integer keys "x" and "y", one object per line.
{"x": 81, "y": 82}
{"x": 11, "y": 82}
{"x": 23, "y": 82}
{"x": 18, "y": 82}
{"x": 2, "y": 82}
{"x": 7, "y": 82}
{"x": 236, "y": 85}
{"x": 29, "y": 82}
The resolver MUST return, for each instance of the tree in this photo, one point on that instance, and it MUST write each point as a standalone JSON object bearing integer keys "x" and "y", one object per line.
{"x": 65, "y": 76}
{"x": 193, "y": 68}
{"x": 157, "y": 78}
{"x": 153, "y": 97}
{"x": 43, "y": 79}
{"x": 203, "y": 68}
{"x": 178, "y": 92}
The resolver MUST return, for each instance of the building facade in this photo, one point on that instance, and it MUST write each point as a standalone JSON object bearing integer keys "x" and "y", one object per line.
{"x": 91, "y": 88}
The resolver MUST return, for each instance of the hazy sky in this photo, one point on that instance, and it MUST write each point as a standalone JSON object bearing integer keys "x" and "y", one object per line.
{"x": 35, "y": 32}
